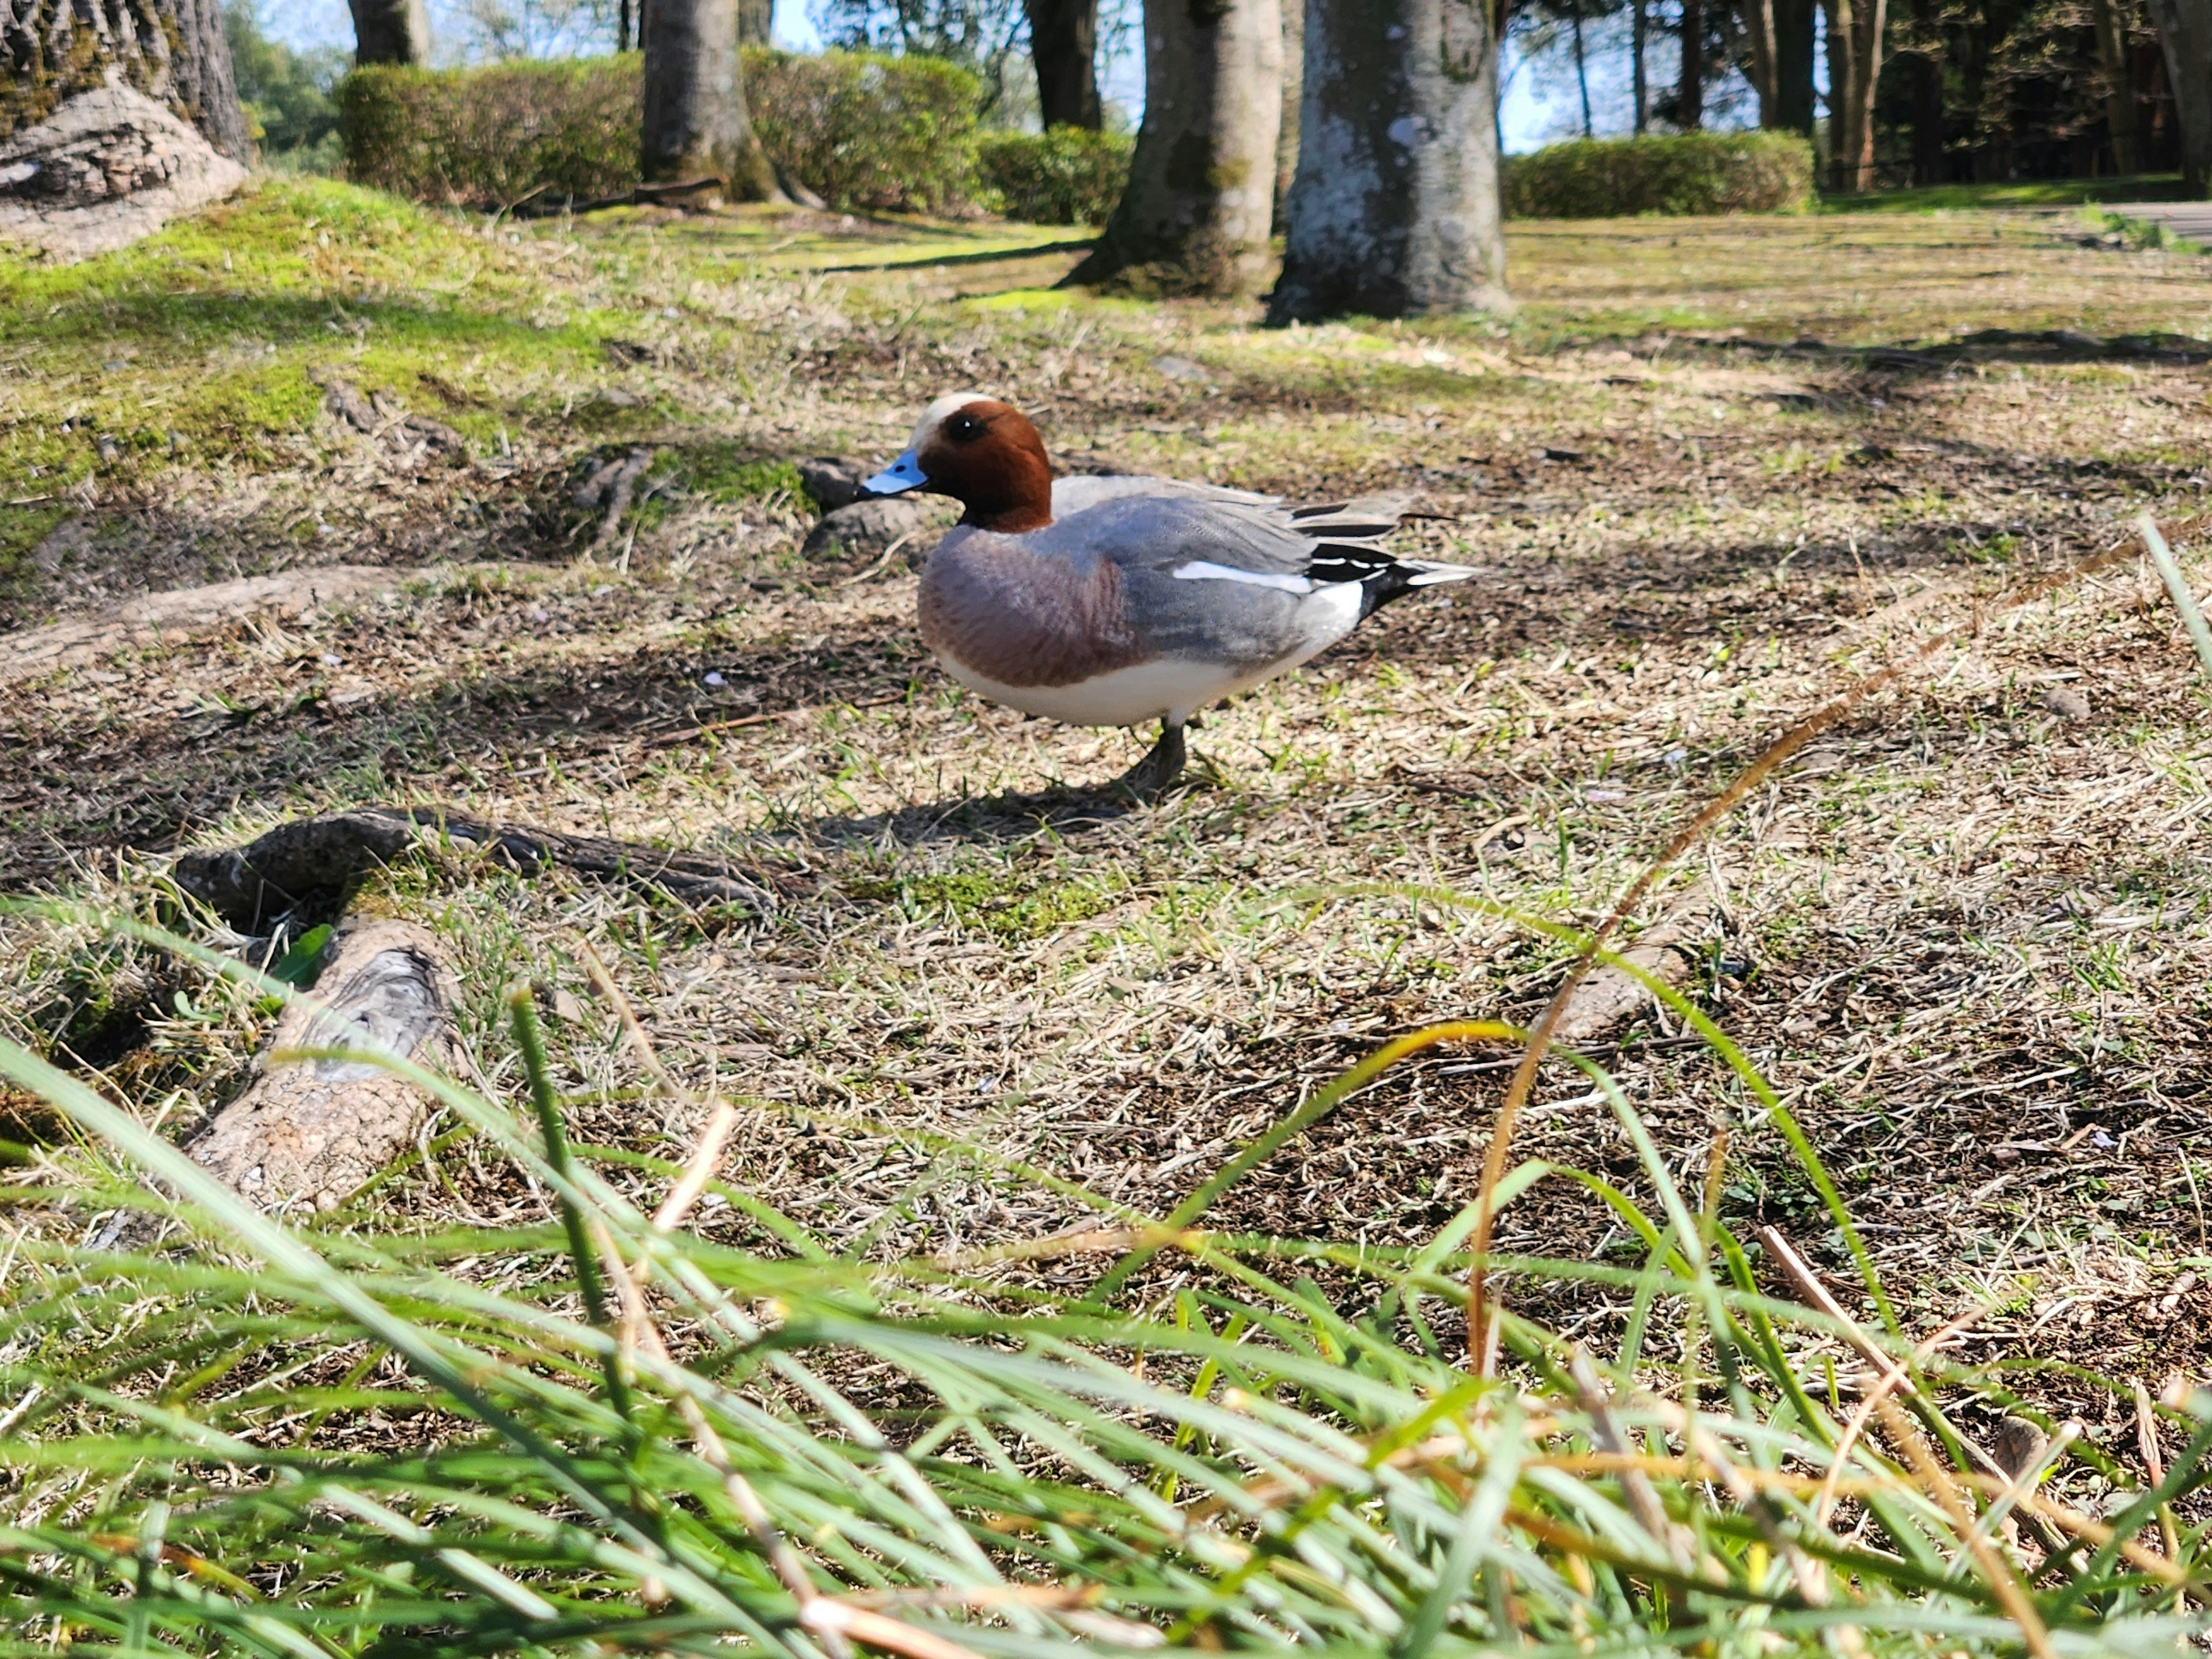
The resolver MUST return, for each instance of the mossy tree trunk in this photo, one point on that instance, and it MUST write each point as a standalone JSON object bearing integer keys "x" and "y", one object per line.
{"x": 1395, "y": 209}
{"x": 170, "y": 50}
{"x": 391, "y": 31}
{"x": 695, "y": 124}
{"x": 1200, "y": 202}
{"x": 1064, "y": 49}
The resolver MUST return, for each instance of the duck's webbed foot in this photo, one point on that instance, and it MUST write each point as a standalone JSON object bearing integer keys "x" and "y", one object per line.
{"x": 1150, "y": 777}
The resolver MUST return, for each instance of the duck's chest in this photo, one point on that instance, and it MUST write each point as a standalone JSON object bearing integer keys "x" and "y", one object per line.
{"x": 1021, "y": 619}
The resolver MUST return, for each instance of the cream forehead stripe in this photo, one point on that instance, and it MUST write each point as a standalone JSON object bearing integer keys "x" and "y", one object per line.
{"x": 940, "y": 411}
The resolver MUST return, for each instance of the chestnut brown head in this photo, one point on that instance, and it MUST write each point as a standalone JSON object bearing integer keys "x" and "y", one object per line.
{"x": 983, "y": 454}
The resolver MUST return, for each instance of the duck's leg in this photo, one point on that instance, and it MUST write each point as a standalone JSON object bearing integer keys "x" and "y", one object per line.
{"x": 1160, "y": 766}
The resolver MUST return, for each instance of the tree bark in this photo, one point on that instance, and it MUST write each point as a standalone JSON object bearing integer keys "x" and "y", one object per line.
{"x": 694, "y": 124}
{"x": 1396, "y": 210}
{"x": 2120, "y": 124}
{"x": 1690, "y": 88}
{"x": 171, "y": 50}
{"x": 1064, "y": 48}
{"x": 1928, "y": 167}
{"x": 1195, "y": 216}
{"x": 1793, "y": 66}
{"x": 756, "y": 22}
{"x": 391, "y": 31}
{"x": 2185, "y": 35}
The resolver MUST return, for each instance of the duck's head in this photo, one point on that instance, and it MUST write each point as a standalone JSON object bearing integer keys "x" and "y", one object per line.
{"x": 983, "y": 454}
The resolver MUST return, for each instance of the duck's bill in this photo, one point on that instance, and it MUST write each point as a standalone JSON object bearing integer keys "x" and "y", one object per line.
{"x": 904, "y": 473}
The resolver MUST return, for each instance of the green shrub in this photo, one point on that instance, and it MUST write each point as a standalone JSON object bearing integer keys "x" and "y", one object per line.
{"x": 1067, "y": 176}
{"x": 858, "y": 130}
{"x": 1691, "y": 172}
{"x": 485, "y": 138}
{"x": 864, "y": 131}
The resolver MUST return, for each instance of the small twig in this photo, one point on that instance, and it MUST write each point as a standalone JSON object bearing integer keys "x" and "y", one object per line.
{"x": 2155, "y": 1466}
{"x": 2011, "y": 1593}
{"x": 1809, "y": 1286}
{"x": 2177, "y": 586}
{"x": 851, "y": 582}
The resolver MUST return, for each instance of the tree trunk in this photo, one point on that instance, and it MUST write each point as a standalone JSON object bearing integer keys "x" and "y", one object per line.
{"x": 1064, "y": 47}
{"x": 1395, "y": 210}
{"x": 172, "y": 50}
{"x": 1294, "y": 84}
{"x": 2119, "y": 90}
{"x": 1793, "y": 66}
{"x": 1759, "y": 28}
{"x": 1838, "y": 17}
{"x": 1928, "y": 167}
{"x": 391, "y": 31}
{"x": 1868, "y": 18}
{"x": 695, "y": 124}
{"x": 2185, "y": 34}
{"x": 1690, "y": 89}
{"x": 1582, "y": 72}
{"x": 756, "y": 22}
{"x": 1195, "y": 216}
{"x": 1638, "y": 81}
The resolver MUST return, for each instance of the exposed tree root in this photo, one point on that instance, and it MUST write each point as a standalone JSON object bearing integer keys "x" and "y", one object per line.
{"x": 312, "y": 862}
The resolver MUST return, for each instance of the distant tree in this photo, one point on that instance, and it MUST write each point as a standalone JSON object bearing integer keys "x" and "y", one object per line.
{"x": 1064, "y": 50}
{"x": 1690, "y": 83}
{"x": 1195, "y": 216}
{"x": 695, "y": 124}
{"x": 987, "y": 36}
{"x": 390, "y": 32}
{"x": 1639, "y": 77}
{"x": 174, "y": 51}
{"x": 1794, "y": 97}
{"x": 1854, "y": 46}
{"x": 2185, "y": 34}
{"x": 756, "y": 22}
{"x": 1395, "y": 209}
{"x": 285, "y": 93}
{"x": 2123, "y": 127}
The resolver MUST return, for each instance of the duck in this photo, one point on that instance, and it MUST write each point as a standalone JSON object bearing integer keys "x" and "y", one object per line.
{"x": 1122, "y": 599}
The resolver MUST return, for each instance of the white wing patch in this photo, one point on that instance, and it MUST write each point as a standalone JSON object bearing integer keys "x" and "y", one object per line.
{"x": 1203, "y": 570}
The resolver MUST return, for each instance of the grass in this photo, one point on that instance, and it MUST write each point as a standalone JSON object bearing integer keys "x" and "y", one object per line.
{"x": 2018, "y": 193}
{"x": 1961, "y": 941}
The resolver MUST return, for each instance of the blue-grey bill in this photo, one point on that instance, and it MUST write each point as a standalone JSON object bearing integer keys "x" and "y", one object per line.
{"x": 904, "y": 473}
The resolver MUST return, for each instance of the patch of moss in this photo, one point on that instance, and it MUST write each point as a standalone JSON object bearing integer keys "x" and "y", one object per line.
{"x": 997, "y": 904}
{"x": 726, "y": 473}
{"x": 21, "y": 530}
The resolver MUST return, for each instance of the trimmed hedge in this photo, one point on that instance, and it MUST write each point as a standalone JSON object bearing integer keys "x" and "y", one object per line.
{"x": 858, "y": 130}
{"x": 1067, "y": 176}
{"x": 865, "y": 130}
{"x": 485, "y": 138}
{"x": 1691, "y": 172}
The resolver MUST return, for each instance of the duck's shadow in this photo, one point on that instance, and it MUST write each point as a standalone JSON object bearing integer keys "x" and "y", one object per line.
{"x": 1065, "y": 810}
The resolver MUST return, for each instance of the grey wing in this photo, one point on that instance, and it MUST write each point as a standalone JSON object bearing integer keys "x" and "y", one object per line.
{"x": 1081, "y": 493}
{"x": 1222, "y": 581}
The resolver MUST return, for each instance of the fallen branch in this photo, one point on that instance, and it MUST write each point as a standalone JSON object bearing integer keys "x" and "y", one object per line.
{"x": 315, "y": 861}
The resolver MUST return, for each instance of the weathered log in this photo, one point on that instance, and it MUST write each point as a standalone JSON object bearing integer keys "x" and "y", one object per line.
{"x": 187, "y": 613}
{"x": 312, "y": 862}
{"x": 313, "y": 1132}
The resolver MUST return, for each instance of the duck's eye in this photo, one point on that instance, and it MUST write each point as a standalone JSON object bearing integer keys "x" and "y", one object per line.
{"x": 963, "y": 427}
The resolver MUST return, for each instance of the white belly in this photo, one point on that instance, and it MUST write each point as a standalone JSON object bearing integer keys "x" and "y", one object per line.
{"x": 1167, "y": 688}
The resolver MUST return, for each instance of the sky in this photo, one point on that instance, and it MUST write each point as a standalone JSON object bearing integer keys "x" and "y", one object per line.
{"x": 1540, "y": 102}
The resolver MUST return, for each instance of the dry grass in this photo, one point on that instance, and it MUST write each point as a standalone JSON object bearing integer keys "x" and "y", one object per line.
{"x": 1966, "y": 936}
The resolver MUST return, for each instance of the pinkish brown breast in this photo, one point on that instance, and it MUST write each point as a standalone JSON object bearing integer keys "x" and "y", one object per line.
{"x": 1022, "y": 618}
